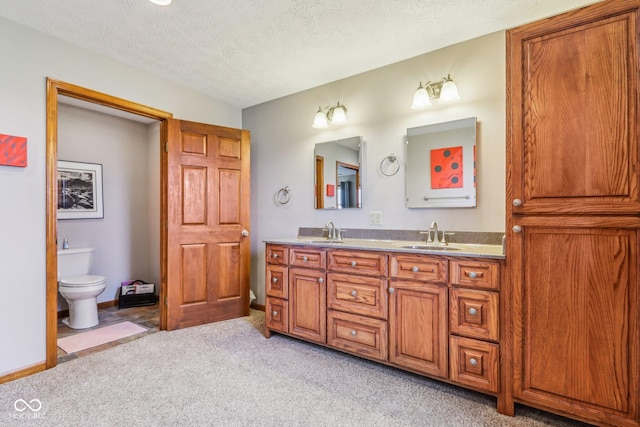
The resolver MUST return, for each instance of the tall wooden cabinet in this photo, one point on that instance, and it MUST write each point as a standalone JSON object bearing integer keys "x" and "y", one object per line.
{"x": 573, "y": 210}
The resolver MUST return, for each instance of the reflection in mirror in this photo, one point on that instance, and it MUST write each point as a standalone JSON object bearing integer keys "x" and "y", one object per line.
{"x": 338, "y": 173}
{"x": 441, "y": 165}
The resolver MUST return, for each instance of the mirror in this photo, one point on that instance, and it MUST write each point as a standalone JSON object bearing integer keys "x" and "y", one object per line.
{"x": 337, "y": 174}
{"x": 441, "y": 165}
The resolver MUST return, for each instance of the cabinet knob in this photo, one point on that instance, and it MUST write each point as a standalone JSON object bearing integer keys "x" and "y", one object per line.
{"x": 473, "y": 274}
{"x": 275, "y": 313}
{"x": 354, "y": 333}
{"x": 274, "y": 280}
{"x": 391, "y": 290}
{"x": 473, "y": 361}
{"x": 517, "y": 229}
{"x": 353, "y": 263}
{"x": 245, "y": 233}
{"x": 274, "y": 255}
{"x": 354, "y": 293}
{"x": 472, "y": 311}
{"x": 304, "y": 258}
{"x": 517, "y": 202}
{"x": 320, "y": 280}
{"x": 415, "y": 269}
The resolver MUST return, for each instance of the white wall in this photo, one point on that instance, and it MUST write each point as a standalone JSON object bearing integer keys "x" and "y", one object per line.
{"x": 28, "y": 58}
{"x": 122, "y": 239}
{"x": 378, "y": 103}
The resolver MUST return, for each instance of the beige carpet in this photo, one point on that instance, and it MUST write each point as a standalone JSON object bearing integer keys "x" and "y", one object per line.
{"x": 228, "y": 374}
{"x": 96, "y": 337}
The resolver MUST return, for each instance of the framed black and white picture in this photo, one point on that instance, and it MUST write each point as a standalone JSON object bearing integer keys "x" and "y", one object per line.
{"x": 79, "y": 190}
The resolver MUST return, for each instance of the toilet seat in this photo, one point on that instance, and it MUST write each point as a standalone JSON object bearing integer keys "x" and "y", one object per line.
{"x": 82, "y": 281}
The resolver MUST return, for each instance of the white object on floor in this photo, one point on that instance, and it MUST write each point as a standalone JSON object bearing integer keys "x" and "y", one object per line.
{"x": 78, "y": 287}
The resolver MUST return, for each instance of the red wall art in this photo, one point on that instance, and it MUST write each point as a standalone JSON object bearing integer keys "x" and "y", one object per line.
{"x": 446, "y": 168}
{"x": 13, "y": 151}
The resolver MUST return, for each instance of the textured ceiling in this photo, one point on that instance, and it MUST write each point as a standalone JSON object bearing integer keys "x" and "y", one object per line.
{"x": 245, "y": 52}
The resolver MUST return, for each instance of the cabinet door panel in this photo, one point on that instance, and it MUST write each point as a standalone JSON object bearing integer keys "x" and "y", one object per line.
{"x": 418, "y": 327}
{"x": 308, "y": 304}
{"x": 575, "y": 299}
{"x": 357, "y": 294}
{"x": 572, "y": 130}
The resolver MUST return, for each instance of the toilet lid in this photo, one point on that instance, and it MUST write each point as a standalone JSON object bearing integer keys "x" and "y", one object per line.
{"x": 89, "y": 280}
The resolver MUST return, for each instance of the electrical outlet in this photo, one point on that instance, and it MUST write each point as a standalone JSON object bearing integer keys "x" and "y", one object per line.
{"x": 375, "y": 217}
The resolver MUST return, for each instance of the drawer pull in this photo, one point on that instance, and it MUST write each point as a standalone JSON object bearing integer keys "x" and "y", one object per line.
{"x": 320, "y": 280}
{"x": 354, "y": 293}
{"x": 274, "y": 280}
{"x": 473, "y": 361}
{"x": 353, "y": 263}
{"x": 517, "y": 202}
{"x": 304, "y": 258}
{"x": 472, "y": 311}
{"x": 274, "y": 255}
{"x": 472, "y": 274}
{"x": 354, "y": 333}
{"x": 415, "y": 269}
{"x": 275, "y": 313}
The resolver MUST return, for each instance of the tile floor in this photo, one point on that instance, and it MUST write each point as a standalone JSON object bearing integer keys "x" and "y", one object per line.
{"x": 148, "y": 316}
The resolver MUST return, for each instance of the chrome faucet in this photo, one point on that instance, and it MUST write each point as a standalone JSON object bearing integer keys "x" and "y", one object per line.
{"x": 435, "y": 240}
{"x": 331, "y": 230}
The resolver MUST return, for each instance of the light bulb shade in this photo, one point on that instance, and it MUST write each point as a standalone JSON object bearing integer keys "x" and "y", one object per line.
{"x": 338, "y": 114}
{"x": 320, "y": 120}
{"x": 421, "y": 98}
{"x": 161, "y": 2}
{"x": 449, "y": 91}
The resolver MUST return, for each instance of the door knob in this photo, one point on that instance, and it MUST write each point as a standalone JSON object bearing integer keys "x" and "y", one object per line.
{"x": 245, "y": 233}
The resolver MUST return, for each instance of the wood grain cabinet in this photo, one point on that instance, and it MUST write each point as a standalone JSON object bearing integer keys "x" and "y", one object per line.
{"x": 433, "y": 315}
{"x": 572, "y": 212}
{"x": 418, "y": 337}
{"x": 357, "y": 302}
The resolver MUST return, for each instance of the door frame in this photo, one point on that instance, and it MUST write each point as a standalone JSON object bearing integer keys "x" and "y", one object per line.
{"x": 55, "y": 88}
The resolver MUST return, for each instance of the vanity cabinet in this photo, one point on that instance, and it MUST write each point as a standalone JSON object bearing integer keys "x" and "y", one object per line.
{"x": 357, "y": 302}
{"x": 434, "y": 315}
{"x": 418, "y": 338}
{"x": 572, "y": 212}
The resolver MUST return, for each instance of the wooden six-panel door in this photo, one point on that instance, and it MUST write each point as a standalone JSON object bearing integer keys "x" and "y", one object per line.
{"x": 208, "y": 251}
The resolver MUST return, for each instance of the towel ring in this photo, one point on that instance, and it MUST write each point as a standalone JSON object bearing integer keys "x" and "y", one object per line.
{"x": 283, "y": 195}
{"x": 389, "y": 165}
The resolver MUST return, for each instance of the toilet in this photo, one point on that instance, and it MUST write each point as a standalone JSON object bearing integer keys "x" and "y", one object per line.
{"x": 78, "y": 287}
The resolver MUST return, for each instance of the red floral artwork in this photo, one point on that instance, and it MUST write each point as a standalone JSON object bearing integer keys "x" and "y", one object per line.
{"x": 13, "y": 150}
{"x": 446, "y": 168}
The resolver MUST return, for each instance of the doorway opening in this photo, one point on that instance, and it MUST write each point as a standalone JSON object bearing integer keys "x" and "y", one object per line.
{"x": 56, "y": 89}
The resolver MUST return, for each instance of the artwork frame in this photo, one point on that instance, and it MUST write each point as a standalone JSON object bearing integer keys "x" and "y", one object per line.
{"x": 80, "y": 190}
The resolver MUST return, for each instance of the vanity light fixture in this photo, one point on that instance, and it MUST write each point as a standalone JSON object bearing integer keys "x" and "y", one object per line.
{"x": 330, "y": 115}
{"x": 445, "y": 89}
{"x": 161, "y": 2}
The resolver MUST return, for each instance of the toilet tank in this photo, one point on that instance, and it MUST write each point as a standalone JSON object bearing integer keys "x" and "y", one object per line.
{"x": 74, "y": 262}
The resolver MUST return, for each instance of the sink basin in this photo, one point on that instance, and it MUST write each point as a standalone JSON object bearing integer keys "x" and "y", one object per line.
{"x": 430, "y": 248}
{"x": 326, "y": 242}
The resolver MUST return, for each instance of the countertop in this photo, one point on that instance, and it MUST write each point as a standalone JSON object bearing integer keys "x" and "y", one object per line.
{"x": 419, "y": 247}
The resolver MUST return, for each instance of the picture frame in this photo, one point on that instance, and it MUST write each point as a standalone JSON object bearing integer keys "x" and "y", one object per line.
{"x": 79, "y": 190}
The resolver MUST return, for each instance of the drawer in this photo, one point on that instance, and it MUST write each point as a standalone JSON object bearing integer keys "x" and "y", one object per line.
{"x": 357, "y": 294}
{"x": 474, "y": 313}
{"x": 475, "y": 274}
{"x": 308, "y": 258}
{"x": 277, "y": 254}
{"x": 419, "y": 267}
{"x": 357, "y": 262}
{"x": 360, "y": 335}
{"x": 277, "y": 314}
{"x": 277, "y": 281}
{"x": 474, "y": 363}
